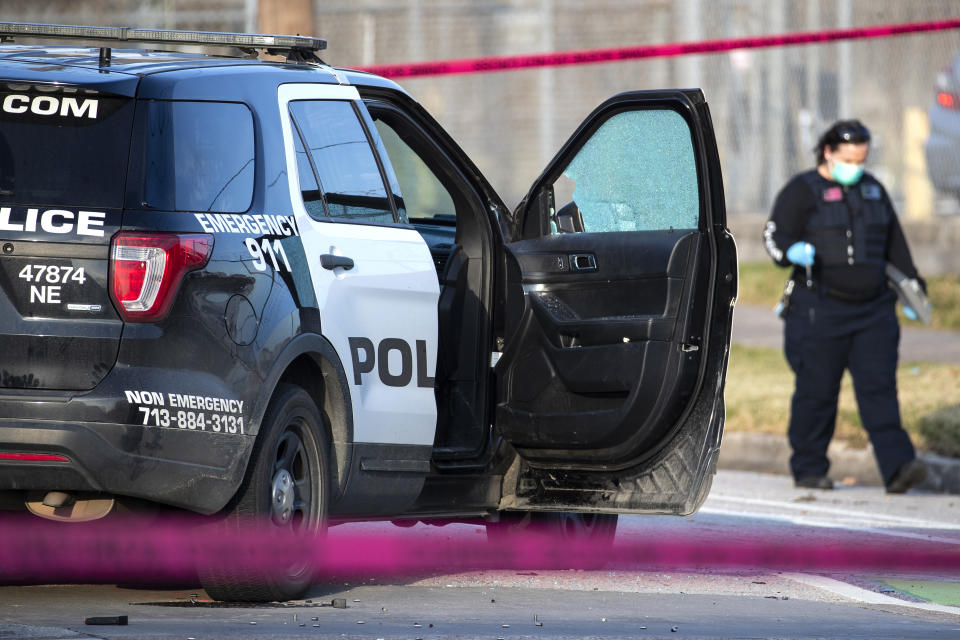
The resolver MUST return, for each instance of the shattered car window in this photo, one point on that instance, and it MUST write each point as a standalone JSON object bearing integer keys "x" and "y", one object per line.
{"x": 637, "y": 172}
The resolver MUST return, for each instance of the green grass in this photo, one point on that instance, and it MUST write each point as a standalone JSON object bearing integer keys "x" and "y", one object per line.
{"x": 760, "y": 385}
{"x": 761, "y": 283}
{"x": 939, "y": 591}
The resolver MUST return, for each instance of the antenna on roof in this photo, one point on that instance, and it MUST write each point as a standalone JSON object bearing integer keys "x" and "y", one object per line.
{"x": 296, "y": 48}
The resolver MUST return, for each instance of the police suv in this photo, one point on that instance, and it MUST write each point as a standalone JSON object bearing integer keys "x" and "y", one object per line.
{"x": 236, "y": 285}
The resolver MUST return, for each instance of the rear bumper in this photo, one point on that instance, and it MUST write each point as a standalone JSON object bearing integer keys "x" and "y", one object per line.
{"x": 195, "y": 471}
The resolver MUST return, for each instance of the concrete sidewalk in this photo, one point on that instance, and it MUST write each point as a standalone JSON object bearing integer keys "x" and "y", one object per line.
{"x": 759, "y": 327}
{"x": 742, "y": 451}
{"x": 768, "y": 453}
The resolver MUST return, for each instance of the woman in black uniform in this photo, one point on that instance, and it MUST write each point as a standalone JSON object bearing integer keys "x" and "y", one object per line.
{"x": 835, "y": 225}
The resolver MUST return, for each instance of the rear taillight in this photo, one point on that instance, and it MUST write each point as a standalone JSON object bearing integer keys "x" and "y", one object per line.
{"x": 33, "y": 457}
{"x": 146, "y": 270}
{"x": 948, "y": 100}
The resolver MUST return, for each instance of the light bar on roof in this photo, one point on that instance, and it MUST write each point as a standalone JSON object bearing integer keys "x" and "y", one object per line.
{"x": 161, "y": 36}
{"x": 255, "y": 40}
{"x": 60, "y": 31}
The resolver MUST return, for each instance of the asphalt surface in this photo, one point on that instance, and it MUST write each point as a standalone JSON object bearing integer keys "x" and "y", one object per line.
{"x": 623, "y": 599}
{"x": 759, "y": 327}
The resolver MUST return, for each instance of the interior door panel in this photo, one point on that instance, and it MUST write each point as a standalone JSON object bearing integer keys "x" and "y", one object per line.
{"x": 585, "y": 339}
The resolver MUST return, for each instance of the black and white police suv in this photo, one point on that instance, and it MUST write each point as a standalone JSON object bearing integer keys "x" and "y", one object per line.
{"x": 235, "y": 285}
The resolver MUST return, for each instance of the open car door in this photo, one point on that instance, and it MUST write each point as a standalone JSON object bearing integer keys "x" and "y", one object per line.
{"x": 619, "y": 285}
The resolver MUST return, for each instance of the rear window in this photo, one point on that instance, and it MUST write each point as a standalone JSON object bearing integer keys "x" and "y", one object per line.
{"x": 63, "y": 146}
{"x": 199, "y": 156}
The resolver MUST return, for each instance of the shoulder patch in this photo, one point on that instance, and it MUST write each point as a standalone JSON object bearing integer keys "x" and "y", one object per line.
{"x": 870, "y": 191}
{"x": 833, "y": 194}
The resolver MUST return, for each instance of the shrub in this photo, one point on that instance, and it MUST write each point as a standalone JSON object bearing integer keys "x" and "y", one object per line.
{"x": 941, "y": 430}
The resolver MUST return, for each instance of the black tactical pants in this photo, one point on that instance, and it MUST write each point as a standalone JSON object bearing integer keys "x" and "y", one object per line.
{"x": 822, "y": 337}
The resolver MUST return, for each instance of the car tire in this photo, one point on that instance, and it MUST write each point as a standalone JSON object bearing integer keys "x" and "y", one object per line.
{"x": 285, "y": 488}
{"x": 596, "y": 529}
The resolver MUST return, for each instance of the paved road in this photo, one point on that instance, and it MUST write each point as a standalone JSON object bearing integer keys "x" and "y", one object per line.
{"x": 620, "y": 600}
{"x": 758, "y": 327}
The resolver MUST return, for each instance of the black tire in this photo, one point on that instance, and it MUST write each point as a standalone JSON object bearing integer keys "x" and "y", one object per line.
{"x": 290, "y": 463}
{"x": 599, "y": 529}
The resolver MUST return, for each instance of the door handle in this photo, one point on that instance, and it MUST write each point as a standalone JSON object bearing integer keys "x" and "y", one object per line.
{"x": 583, "y": 262}
{"x": 330, "y": 261}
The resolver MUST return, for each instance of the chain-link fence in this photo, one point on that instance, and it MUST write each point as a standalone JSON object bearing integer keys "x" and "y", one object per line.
{"x": 768, "y": 105}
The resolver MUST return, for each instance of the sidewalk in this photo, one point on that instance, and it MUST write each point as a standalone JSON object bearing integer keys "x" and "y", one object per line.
{"x": 742, "y": 451}
{"x": 759, "y": 327}
{"x": 768, "y": 453}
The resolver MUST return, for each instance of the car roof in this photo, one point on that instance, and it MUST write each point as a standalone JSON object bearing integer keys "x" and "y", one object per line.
{"x": 195, "y": 75}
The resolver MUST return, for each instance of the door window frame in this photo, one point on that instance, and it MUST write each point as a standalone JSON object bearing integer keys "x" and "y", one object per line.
{"x": 428, "y": 150}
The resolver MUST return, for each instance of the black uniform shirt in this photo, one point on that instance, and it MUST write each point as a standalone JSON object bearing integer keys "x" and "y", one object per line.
{"x": 791, "y": 211}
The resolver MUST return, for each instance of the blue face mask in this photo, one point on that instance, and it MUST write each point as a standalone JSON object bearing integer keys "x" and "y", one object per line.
{"x": 845, "y": 173}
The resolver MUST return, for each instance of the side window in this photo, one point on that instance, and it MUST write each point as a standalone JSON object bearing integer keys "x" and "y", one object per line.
{"x": 424, "y": 196}
{"x": 637, "y": 172}
{"x": 199, "y": 156}
{"x": 341, "y": 153}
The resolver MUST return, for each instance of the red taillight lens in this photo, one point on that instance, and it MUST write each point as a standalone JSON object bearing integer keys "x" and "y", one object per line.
{"x": 948, "y": 100}
{"x": 33, "y": 457}
{"x": 147, "y": 269}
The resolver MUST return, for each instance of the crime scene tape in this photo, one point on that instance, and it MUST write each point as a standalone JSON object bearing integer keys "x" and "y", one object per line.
{"x": 171, "y": 549}
{"x": 619, "y": 54}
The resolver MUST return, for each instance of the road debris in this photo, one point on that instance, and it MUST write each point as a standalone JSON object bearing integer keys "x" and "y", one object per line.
{"x": 118, "y": 620}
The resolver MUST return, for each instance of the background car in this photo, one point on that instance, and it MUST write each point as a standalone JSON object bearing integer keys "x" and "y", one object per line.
{"x": 943, "y": 145}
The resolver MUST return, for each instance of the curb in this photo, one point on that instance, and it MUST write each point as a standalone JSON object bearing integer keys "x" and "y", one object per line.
{"x": 769, "y": 453}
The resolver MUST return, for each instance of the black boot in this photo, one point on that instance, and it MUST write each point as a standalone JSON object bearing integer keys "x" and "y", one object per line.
{"x": 814, "y": 482}
{"x": 910, "y": 474}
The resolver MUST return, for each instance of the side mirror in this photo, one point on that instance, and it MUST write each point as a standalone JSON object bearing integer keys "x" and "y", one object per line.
{"x": 569, "y": 219}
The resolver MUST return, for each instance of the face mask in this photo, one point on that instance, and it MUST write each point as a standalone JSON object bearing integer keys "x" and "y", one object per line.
{"x": 845, "y": 173}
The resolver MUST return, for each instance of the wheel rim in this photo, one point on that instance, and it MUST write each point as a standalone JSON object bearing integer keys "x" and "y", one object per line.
{"x": 283, "y": 497}
{"x": 293, "y": 497}
{"x": 578, "y": 526}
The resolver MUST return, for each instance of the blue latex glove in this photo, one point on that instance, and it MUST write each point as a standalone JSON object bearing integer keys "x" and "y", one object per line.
{"x": 909, "y": 312}
{"x": 801, "y": 254}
